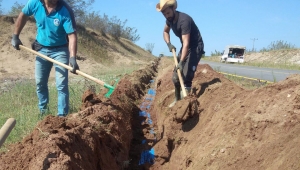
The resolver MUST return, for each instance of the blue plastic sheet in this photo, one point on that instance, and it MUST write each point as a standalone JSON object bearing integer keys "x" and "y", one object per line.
{"x": 152, "y": 131}
{"x": 151, "y": 92}
{"x": 149, "y": 98}
{"x": 143, "y": 113}
{"x": 147, "y": 156}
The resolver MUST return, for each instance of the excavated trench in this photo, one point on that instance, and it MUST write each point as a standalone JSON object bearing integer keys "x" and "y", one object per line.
{"x": 219, "y": 126}
{"x": 105, "y": 134}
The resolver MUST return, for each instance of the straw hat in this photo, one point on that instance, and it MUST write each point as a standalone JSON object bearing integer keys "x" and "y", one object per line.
{"x": 165, "y": 3}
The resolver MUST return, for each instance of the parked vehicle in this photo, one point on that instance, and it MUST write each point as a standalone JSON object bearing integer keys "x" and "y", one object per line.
{"x": 233, "y": 54}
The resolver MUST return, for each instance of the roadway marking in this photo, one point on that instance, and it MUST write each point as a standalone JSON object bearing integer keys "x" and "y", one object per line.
{"x": 260, "y": 80}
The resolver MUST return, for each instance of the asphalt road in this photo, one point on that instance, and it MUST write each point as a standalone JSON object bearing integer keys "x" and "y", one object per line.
{"x": 269, "y": 74}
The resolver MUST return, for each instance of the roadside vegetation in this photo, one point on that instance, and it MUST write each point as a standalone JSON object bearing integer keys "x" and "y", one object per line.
{"x": 246, "y": 83}
{"x": 100, "y": 23}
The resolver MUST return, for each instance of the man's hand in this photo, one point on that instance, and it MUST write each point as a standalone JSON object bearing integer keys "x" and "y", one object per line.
{"x": 74, "y": 64}
{"x": 180, "y": 66}
{"x": 171, "y": 47}
{"x": 15, "y": 41}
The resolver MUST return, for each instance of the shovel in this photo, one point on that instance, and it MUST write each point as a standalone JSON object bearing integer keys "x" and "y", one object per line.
{"x": 179, "y": 75}
{"x": 109, "y": 87}
{"x": 6, "y": 129}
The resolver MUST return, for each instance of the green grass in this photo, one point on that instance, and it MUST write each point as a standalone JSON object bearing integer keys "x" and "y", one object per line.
{"x": 283, "y": 65}
{"x": 246, "y": 83}
{"x": 20, "y": 101}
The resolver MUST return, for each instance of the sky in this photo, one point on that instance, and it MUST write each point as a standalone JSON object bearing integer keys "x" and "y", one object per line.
{"x": 221, "y": 22}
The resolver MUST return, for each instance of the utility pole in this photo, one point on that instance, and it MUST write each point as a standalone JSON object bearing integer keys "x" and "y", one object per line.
{"x": 253, "y": 39}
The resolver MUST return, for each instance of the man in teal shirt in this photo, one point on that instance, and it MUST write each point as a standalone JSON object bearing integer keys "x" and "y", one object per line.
{"x": 56, "y": 38}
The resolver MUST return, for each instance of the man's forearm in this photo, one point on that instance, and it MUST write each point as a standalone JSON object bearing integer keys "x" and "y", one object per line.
{"x": 166, "y": 37}
{"x": 20, "y": 23}
{"x": 184, "y": 53}
{"x": 73, "y": 44}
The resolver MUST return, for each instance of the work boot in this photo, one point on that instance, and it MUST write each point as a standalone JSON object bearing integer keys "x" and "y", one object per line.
{"x": 177, "y": 96}
{"x": 43, "y": 113}
{"x": 188, "y": 90}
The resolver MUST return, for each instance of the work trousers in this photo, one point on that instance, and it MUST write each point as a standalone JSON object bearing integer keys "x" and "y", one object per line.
{"x": 42, "y": 72}
{"x": 189, "y": 67}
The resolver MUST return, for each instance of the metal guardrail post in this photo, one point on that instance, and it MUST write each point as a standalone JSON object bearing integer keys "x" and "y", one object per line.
{"x": 6, "y": 129}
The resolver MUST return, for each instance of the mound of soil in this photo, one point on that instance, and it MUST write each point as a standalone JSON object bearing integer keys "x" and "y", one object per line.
{"x": 227, "y": 127}
{"x": 98, "y": 137}
{"x": 219, "y": 125}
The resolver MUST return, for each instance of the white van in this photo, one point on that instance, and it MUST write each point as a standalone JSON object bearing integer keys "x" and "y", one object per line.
{"x": 233, "y": 54}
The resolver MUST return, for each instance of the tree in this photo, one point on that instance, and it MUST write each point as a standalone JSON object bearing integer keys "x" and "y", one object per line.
{"x": 80, "y": 7}
{"x": 0, "y": 7}
{"x": 16, "y": 9}
{"x": 130, "y": 34}
{"x": 103, "y": 24}
{"x": 149, "y": 47}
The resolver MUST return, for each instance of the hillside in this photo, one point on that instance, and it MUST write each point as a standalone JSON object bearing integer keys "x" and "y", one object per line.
{"x": 96, "y": 52}
{"x": 276, "y": 56}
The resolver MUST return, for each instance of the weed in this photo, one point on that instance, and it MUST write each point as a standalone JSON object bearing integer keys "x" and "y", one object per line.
{"x": 44, "y": 134}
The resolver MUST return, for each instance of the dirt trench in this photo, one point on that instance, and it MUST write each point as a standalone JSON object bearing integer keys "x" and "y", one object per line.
{"x": 97, "y": 137}
{"x": 219, "y": 125}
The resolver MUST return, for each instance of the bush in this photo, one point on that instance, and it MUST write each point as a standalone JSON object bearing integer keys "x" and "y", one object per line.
{"x": 149, "y": 47}
{"x": 1, "y": 11}
{"x": 113, "y": 26}
{"x": 216, "y": 53}
{"x": 16, "y": 9}
{"x": 278, "y": 45}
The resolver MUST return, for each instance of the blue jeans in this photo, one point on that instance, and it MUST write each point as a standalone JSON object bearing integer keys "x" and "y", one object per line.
{"x": 42, "y": 72}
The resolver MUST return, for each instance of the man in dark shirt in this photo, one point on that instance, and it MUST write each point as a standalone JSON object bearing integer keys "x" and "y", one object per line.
{"x": 192, "y": 48}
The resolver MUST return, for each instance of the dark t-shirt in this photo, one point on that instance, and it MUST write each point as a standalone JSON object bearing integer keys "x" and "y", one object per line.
{"x": 186, "y": 25}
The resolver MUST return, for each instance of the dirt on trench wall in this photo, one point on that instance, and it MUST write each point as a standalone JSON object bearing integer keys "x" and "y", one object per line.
{"x": 226, "y": 127}
{"x": 98, "y": 137}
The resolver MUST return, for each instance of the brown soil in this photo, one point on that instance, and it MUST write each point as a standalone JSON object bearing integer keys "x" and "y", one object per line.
{"x": 232, "y": 128}
{"x": 98, "y": 137}
{"x": 219, "y": 126}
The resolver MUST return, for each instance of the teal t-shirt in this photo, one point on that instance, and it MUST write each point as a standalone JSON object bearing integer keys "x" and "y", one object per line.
{"x": 53, "y": 28}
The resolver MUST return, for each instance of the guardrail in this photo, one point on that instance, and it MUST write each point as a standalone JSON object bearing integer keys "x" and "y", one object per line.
{"x": 6, "y": 129}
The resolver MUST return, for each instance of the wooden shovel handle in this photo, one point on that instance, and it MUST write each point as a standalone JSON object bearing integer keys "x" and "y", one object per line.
{"x": 6, "y": 129}
{"x": 63, "y": 65}
{"x": 179, "y": 75}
